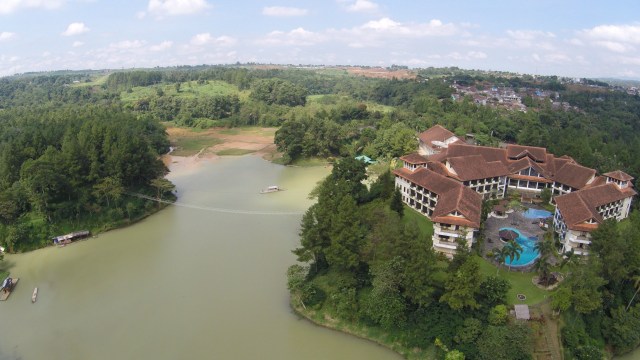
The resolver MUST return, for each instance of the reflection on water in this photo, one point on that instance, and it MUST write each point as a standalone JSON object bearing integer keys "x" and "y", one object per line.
{"x": 184, "y": 283}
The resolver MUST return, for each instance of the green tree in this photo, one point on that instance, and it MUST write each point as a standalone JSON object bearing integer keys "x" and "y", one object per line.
{"x": 493, "y": 291}
{"x": 162, "y": 187}
{"x": 622, "y": 329}
{"x": 498, "y": 315}
{"x": 347, "y": 235}
{"x": 396, "y": 202}
{"x": 420, "y": 267}
{"x": 545, "y": 195}
{"x": 109, "y": 188}
{"x": 636, "y": 284}
{"x": 461, "y": 288}
{"x": 510, "y": 342}
{"x": 385, "y": 305}
{"x": 500, "y": 256}
{"x": 513, "y": 250}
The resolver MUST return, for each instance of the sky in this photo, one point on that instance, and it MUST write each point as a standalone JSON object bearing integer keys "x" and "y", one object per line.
{"x": 574, "y": 38}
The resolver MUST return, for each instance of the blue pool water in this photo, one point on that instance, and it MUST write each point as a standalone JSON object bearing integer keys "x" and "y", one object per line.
{"x": 537, "y": 214}
{"x": 528, "y": 254}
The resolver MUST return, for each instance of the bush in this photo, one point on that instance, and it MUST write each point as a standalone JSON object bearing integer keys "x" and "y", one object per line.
{"x": 498, "y": 315}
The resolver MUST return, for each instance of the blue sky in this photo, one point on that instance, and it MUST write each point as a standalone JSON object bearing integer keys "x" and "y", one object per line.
{"x": 562, "y": 37}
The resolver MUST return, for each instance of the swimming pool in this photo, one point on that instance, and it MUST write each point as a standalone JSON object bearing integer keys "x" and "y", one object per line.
{"x": 537, "y": 214}
{"x": 528, "y": 254}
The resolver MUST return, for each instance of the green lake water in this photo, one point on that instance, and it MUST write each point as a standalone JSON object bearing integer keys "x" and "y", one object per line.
{"x": 186, "y": 283}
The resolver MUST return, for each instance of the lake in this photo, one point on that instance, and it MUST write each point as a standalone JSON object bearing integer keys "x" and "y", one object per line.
{"x": 192, "y": 281}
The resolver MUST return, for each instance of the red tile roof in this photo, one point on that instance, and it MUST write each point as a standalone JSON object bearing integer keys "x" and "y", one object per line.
{"x": 580, "y": 206}
{"x": 619, "y": 175}
{"x": 414, "y": 158}
{"x": 574, "y": 175}
{"x": 525, "y": 163}
{"x": 452, "y": 195}
{"x": 488, "y": 153}
{"x": 435, "y": 133}
{"x": 475, "y": 167}
{"x": 515, "y": 152}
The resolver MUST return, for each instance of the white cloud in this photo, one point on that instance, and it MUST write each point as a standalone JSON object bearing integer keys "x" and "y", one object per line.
{"x": 614, "y": 46}
{"x": 165, "y": 45}
{"x": 529, "y": 34}
{"x": 207, "y": 39}
{"x": 283, "y": 11}
{"x": 6, "y": 35}
{"x": 434, "y": 27}
{"x": 385, "y": 32}
{"x": 77, "y": 44}
{"x": 295, "y": 37}
{"x": 618, "y": 33}
{"x": 127, "y": 44}
{"x": 10, "y": 6}
{"x": 615, "y": 38}
{"x": 75, "y": 28}
{"x": 176, "y": 7}
{"x": 362, "y": 6}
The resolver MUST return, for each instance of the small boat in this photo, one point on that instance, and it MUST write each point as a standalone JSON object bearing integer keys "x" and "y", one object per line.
{"x": 270, "y": 189}
{"x": 34, "y": 296}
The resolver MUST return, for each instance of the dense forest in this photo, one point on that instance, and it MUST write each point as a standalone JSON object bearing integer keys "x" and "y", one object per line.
{"x": 366, "y": 263}
{"x": 69, "y": 167}
{"x": 75, "y": 146}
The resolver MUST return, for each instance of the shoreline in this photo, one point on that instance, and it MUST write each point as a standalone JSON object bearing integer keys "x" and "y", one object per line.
{"x": 354, "y": 329}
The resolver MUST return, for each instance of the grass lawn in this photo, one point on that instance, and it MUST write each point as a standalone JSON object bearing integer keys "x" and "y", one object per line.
{"x": 308, "y": 162}
{"x": 95, "y": 81}
{"x": 520, "y": 284}
{"x": 234, "y": 152}
{"x": 187, "y": 146}
{"x": 425, "y": 225}
{"x": 3, "y": 275}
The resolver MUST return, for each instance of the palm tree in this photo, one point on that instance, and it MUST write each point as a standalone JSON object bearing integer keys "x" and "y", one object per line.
{"x": 545, "y": 248}
{"x": 570, "y": 259}
{"x": 636, "y": 284}
{"x": 543, "y": 268}
{"x": 514, "y": 250}
{"x": 500, "y": 256}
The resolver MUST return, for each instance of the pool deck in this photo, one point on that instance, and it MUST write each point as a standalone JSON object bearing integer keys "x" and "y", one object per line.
{"x": 528, "y": 228}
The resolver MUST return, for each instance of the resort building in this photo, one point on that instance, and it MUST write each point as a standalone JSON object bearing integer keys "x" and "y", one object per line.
{"x": 453, "y": 208}
{"x": 444, "y": 166}
{"x": 579, "y": 213}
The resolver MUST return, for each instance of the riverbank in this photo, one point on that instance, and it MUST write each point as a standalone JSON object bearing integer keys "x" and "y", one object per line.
{"x": 375, "y": 335}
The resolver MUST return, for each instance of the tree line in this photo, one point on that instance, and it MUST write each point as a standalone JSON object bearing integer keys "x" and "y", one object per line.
{"x": 61, "y": 168}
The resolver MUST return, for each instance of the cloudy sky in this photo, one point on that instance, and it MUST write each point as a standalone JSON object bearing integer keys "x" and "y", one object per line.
{"x": 578, "y": 38}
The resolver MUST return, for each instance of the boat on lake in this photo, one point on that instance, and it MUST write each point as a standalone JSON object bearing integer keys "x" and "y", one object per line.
{"x": 270, "y": 189}
{"x": 34, "y": 296}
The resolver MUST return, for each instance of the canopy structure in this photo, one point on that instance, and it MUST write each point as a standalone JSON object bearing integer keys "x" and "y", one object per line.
{"x": 508, "y": 234}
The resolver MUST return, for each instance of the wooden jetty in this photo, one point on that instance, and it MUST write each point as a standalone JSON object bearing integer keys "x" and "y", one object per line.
{"x": 4, "y": 295}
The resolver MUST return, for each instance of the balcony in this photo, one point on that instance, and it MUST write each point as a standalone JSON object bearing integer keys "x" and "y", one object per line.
{"x": 447, "y": 232}
{"x": 445, "y": 245}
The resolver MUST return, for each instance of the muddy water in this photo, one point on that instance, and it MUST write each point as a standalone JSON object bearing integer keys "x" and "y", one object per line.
{"x": 188, "y": 282}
